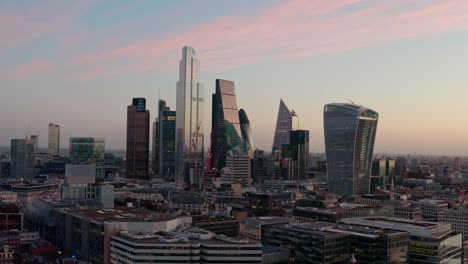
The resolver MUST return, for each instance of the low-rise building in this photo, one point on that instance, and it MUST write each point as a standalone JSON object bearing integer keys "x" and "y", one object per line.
{"x": 431, "y": 208}
{"x": 251, "y": 227}
{"x": 458, "y": 218}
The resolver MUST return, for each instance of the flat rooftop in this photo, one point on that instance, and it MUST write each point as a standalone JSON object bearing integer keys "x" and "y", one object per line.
{"x": 121, "y": 214}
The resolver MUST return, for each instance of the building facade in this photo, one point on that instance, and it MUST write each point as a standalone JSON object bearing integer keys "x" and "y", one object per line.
{"x": 54, "y": 140}
{"x": 167, "y": 144}
{"x": 295, "y": 156}
{"x": 246, "y": 130}
{"x": 138, "y": 126}
{"x": 155, "y": 157}
{"x": 88, "y": 150}
{"x": 190, "y": 111}
{"x": 349, "y": 145}
{"x": 23, "y": 159}
{"x": 225, "y": 124}
{"x": 286, "y": 122}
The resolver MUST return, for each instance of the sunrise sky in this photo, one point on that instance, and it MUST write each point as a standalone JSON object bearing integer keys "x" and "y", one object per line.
{"x": 79, "y": 63}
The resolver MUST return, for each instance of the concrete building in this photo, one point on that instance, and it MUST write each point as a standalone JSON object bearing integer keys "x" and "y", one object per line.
{"x": 430, "y": 242}
{"x": 28, "y": 192}
{"x": 220, "y": 225}
{"x": 188, "y": 246}
{"x": 431, "y": 208}
{"x": 238, "y": 168}
{"x": 458, "y": 218}
{"x": 11, "y": 217}
{"x": 87, "y": 233}
{"x": 23, "y": 159}
{"x": 251, "y": 227}
{"x": 54, "y": 140}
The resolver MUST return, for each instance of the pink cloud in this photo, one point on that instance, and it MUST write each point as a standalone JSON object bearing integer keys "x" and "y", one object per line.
{"x": 288, "y": 30}
{"x": 29, "y": 69}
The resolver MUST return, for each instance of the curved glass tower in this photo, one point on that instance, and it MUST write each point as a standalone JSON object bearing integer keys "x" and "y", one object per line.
{"x": 349, "y": 144}
{"x": 246, "y": 130}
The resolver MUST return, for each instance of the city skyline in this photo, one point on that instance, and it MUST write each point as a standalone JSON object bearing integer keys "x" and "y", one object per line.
{"x": 413, "y": 76}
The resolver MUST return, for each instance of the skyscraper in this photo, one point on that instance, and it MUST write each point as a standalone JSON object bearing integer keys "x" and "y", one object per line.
{"x": 286, "y": 122}
{"x": 23, "y": 159}
{"x": 138, "y": 122}
{"x": 295, "y": 155}
{"x": 189, "y": 108}
{"x": 349, "y": 144}
{"x": 225, "y": 124}
{"x": 167, "y": 145}
{"x": 155, "y": 158}
{"x": 54, "y": 140}
{"x": 35, "y": 139}
{"x": 246, "y": 131}
{"x": 88, "y": 150}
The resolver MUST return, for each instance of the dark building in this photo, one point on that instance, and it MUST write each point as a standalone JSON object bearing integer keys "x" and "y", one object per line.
{"x": 225, "y": 124}
{"x": 295, "y": 155}
{"x": 23, "y": 159}
{"x": 246, "y": 131}
{"x": 10, "y": 217}
{"x": 5, "y": 168}
{"x": 308, "y": 244}
{"x": 155, "y": 157}
{"x": 268, "y": 204}
{"x": 263, "y": 166}
{"x": 167, "y": 144}
{"x": 221, "y": 225}
{"x": 349, "y": 144}
{"x": 88, "y": 150}
{"x": 138, "y": 122}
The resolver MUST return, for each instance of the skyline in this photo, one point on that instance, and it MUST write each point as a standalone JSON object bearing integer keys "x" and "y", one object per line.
{"x": 412, "y": 75}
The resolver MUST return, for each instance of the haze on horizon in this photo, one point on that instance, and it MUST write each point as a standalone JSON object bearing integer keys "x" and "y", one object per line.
{"x": 79, "y": 64}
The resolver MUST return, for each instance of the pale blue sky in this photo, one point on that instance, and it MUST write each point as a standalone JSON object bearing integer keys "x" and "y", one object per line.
{"x": 79, "y": 65}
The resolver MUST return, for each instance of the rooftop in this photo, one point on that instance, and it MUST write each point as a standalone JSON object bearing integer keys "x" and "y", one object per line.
{"x": 122, "y": 214}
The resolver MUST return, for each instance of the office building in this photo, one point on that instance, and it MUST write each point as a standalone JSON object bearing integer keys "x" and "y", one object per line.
{"x": 88, "y": 150}
{"x": 167, "y": 144}
{"x": 383, "y": 172}
{"x": 431, "y": 209}
{"x": 349, "y": 145}
{"x": 295, "y": 156}
{"x": 35, "y": 139}
{"x": 286, "y": 122}
{"x": 430, "y": 242}
{"x": 220, "y": 225}
{"x": 54, "y": 140}
{"x": 251, "y": 227}
{"x": 237, "y": 169}
{"x": 188, "y": 246}
{"x": 23, "y": 159}
{"x": 138, "y": 122}
{"x": 190, "y": 112}
{"x": 458, "y": 218}
{"x": 225, "y": 124}
{"x": 308, "y": 244}
{"x": 155, "y": 157}
{"x": 246, "y": 130}
{"x": 11, "y": 217}
{"x": 87, "y": 233}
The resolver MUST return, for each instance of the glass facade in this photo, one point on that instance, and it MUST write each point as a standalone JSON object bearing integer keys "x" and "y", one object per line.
{"x": 225, "y": 121}
{"x": 167, "y": 144}
{"x": 349, "y": 143}
{"x": 23, "y": 159}
{"x": 155, "y": 158}
{"x": 190, "y": 105}
{"x": 284, "y": 125}
{"x": 295, "y": 155}
{"x": 138, "y": 126}
{"x": 246, "y": 130}
{"x": 88, "y": 150}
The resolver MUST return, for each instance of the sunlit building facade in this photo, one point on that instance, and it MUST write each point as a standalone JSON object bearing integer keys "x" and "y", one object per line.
{"x": 349, "y": 144}
{"x": 54, "y": 140}
{"x": 190, "y": 110}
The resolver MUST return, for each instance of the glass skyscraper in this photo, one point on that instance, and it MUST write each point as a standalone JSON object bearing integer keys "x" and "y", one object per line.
{"x": 167, "y": 145}
{"x": 349, "y": 144}
{"x": 88, "y": 150}
{"x": 189, "y": 108}
{"x": 225, "y": 122}
{"x": 295, "y": 155}
{"x": 23, "y": 159}
{"x": 286, "y": 122}
{"x": 138, "y": 126}
{"x": 246, "y": 130}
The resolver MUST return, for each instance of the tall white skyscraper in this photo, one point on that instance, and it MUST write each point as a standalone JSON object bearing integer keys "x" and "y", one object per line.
{"x": 189, "y": 109}
{"x": 54, "y": 140}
